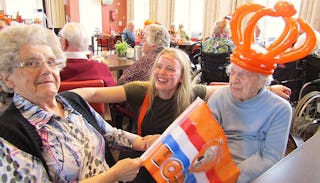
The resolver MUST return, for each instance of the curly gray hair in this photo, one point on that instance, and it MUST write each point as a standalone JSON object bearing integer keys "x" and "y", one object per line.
{"x": 157, "y": 35}
{"x": 14, "y": 37}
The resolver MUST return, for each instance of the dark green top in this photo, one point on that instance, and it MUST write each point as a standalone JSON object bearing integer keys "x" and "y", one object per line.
{"x": 162, "y": 112}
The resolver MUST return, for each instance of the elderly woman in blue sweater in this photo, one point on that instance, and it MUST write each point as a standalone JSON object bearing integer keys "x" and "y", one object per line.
{"x": 256, "y": 121}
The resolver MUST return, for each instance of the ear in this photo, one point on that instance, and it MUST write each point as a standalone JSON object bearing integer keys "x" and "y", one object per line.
{"x": 180, "y": 80}
{"x": 7, "y": 79}
{"x": 64, "y": 44}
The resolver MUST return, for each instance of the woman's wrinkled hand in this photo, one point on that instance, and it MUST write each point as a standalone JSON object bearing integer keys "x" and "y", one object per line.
{"x": 127, "y": 169}
{"x": 150, "y": 139}
{"x": 281, "y": 90}
{"x": 143, "y": 143}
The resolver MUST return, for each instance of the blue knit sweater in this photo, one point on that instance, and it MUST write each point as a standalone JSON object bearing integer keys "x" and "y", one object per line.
{"x": 257, "y": 129}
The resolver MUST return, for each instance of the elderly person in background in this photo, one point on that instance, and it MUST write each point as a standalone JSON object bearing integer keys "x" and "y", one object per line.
{"x": 129, "y": 35}
{"x": 182, "y": 35}
{"x": 75, "y": 41}
{"x": 155, "y": 38}
{"x": 219, "y": 42}
{"x": 173, "y": 33}
{"x": 46, "y": 136}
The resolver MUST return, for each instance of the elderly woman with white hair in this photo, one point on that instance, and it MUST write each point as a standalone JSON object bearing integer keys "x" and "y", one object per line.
{"x": 256, "y": 121}
{"x": 49, "y": 136}
{"x": 155, "y": 38}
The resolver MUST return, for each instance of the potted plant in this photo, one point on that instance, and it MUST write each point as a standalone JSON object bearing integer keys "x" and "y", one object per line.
{"x": 121, "y": 48}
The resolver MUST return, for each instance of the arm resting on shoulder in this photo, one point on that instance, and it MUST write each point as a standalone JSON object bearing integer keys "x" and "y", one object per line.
{"x": 280, "y": 90}
{"x": 115, "y": 94}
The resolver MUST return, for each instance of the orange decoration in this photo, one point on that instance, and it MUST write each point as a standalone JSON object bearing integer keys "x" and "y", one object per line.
{"x": 278, "y": 52}
{"x": 148, "y": 22}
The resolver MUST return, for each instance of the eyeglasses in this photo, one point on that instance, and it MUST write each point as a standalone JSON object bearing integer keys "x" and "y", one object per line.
{"x": 38, "y": 63}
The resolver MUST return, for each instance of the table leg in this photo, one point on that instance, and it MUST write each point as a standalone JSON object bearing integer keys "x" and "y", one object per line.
{"x": 92, "y": 44}
{"x": 119, "y": 73}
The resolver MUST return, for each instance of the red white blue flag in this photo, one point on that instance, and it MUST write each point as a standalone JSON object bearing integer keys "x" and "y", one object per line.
{"x": 193, "y": 149}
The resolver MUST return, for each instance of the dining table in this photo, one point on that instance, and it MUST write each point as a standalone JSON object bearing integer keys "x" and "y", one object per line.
{"x": 116, "y": 63}
{"x": 301, "y": 165}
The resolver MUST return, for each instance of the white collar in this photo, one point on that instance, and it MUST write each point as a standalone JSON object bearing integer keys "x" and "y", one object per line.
{"x": 75, "y": 55}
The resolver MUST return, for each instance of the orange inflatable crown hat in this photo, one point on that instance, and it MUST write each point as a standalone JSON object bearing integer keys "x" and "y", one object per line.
{"x": 280, "y": 51}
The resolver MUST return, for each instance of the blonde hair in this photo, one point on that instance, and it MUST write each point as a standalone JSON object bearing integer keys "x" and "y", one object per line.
{"x": 184, "y": 94}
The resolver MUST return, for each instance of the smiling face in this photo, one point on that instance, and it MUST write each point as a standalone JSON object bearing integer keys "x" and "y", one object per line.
{"x": 36, "y": 84}
{"x": 167, "y": 75}
{"x": 244, "y": 84}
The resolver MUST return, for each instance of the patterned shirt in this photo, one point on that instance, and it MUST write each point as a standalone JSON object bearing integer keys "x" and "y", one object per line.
{"x": 72, "y": 148}
{"x": 217, "y": 45}
{"x": 141, "y": 70}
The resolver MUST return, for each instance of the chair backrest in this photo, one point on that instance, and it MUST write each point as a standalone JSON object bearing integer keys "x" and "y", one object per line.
{"x": 68, "y": 85}
{"x": 213, "y": 66}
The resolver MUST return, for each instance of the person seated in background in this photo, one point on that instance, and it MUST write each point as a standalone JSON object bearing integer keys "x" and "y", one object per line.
{"x": 129, "y": 34}
{"x": 182, "y": 35}
{"x": 257, "y": 34}
{"x": 173, "y": 33}
{"x": 155, "y": 38}
{"x": 75, "y": 42}
{"x": 219, "y": 42}
{"x": 256, "y": 121}
{"x": 47, "y": 136}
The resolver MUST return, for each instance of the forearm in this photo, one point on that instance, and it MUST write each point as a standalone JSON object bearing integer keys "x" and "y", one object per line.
{"x": 86, "y": 93}
{"x": 143, "y": 143}
{"x": 115, "y": 94}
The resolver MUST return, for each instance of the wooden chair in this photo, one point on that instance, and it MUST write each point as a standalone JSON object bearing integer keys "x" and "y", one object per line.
{"x": 68, "y": 85}
{"x": 102, "y": 43}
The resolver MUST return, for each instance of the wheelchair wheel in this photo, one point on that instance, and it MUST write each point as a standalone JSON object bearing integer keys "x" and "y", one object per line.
{"x": 308, "y": 107}
{"x": 196, "y": 77}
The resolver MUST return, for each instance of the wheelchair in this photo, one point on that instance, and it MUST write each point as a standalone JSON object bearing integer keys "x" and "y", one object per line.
{"x": 213, "y": 68}
{"x": 306, "y": 113}
{"x": 194, "y": 52}
{"x": 306, "y": 116}
{"x": 295, "y": 74}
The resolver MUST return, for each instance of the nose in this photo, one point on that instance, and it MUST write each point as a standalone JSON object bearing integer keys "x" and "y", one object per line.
{"x": 45, "y": 68}
{"x": 234, "y": 77}
{"x": 162, "y": 70}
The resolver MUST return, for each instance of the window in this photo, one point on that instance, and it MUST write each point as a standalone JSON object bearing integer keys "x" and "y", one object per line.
{"x": 269, "y": 33}
{"x": 141, "y": 12}
{"x": 189, "y": 13}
